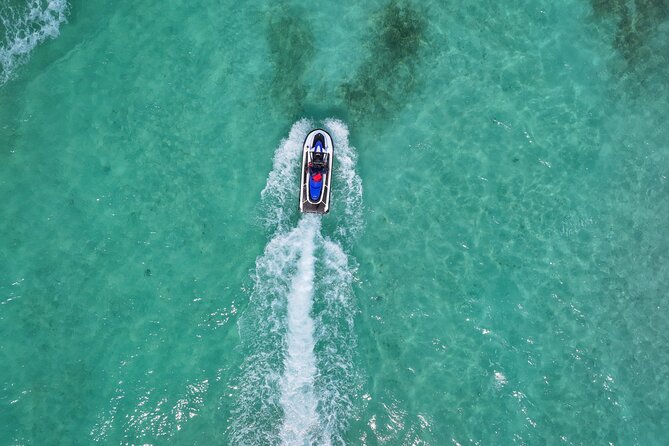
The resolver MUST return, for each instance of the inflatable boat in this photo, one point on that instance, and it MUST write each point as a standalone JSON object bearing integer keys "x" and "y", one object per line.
{"x": 317, "y": 158}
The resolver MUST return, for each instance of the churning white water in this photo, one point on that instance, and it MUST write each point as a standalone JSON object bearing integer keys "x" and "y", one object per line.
{"x": 297, "y": 384}
{"x": 297, "y": 332}
{"x": 23, "y": 27}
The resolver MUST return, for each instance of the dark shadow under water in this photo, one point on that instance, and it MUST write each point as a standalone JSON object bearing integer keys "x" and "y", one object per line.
{"x": 636, "y": 22}
{"x": 388, "y": 75}
{"x": 291, "y": 49}
{"x": 381, "y": 85}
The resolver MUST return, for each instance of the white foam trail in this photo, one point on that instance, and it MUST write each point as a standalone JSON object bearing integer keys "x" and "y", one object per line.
{"x": 263, "y": 326}
{"x": 297, "y": 385}
{"x": 26, "y": 28}
{"x": 278, "y": 197}
{"x": 338, "y": 379}
{"x": 263, "y": 332}
{"x": 348, "y": 185}
{"x": 299, "y": 378}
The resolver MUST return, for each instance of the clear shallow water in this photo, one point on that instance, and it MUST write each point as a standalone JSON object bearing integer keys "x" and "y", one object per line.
{"x": 526, "y": 304}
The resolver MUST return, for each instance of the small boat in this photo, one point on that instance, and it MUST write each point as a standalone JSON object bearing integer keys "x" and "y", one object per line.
{"x": 317, "y": 158}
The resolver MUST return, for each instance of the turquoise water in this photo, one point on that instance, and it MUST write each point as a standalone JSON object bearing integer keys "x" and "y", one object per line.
{"x": 494, "y": 269}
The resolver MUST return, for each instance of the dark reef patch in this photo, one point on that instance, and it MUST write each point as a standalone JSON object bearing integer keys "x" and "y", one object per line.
{"x": 388, "y": 75}
{"x": 291, "y": 48}
{"x": 636, "y": 20}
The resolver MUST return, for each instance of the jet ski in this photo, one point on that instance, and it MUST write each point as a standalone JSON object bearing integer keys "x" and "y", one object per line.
{"x": 317, "y": 157}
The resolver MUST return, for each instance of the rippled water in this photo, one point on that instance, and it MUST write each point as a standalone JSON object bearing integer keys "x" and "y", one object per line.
{"x": 502, "y": 280}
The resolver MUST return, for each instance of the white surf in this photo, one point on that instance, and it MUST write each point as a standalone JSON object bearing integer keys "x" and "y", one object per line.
{"x": 298, "y": 377}
{"x": 25, "y": 26}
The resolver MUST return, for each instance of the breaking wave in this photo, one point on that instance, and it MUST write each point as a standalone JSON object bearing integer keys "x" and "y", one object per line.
{"x": 299, "y": 378}
{"x": 25, "y": 26}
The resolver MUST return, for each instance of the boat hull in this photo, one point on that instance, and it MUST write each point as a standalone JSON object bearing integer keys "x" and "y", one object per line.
{"x": 321, "y": 203}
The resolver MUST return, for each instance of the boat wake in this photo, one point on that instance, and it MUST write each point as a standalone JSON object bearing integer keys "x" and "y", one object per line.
{"x": 24, "y": 26}
{"x": 298, "y": 379}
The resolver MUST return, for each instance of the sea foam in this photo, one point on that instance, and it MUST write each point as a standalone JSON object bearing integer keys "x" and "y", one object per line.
{"x": 298, "y": 376}
{"x": 25, "y": 27}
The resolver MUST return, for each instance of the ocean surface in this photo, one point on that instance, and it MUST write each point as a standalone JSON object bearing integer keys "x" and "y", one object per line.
{"x": 494, "y": 269}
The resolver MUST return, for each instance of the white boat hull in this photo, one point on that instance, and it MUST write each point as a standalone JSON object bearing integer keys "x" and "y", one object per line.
{"x": 321, "y": 203}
